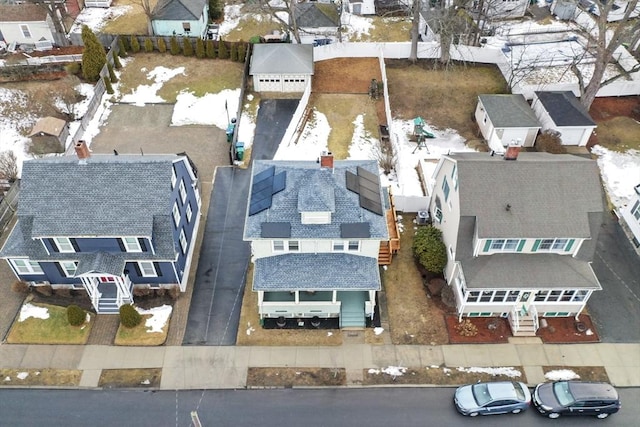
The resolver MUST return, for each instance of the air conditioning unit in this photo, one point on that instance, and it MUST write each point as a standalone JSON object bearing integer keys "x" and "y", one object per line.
{"x": 423, "y": 218}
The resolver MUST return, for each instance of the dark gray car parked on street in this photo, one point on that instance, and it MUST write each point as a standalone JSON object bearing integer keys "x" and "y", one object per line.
{"x": 576, "y": 398}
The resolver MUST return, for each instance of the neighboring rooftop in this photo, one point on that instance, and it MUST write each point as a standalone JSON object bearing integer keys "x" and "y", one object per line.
{"x": 170, "y": 10}
{"x": 509, "y": 111}
{"x": 22, "y": 13}
{"x": 565, "y": 109}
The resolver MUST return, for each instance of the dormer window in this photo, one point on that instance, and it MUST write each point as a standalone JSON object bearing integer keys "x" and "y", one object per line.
{"x": 63, "y": 245}
{"x": 131, "y": 244}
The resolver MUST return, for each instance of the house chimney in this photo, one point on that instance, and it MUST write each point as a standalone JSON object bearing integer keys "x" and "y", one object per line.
{"x": 326, "y": 160}
{"x": 82, "y": 151}
{"x": 513, "y": 149}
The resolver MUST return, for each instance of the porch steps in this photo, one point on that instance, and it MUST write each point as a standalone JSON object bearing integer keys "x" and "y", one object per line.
{"x": 108, "y": 306}
{"x": 352, "y": 310}
{"x": 526, "y": 327}
{"x": 384, "y": 255}
{"x": 352, "y": 320}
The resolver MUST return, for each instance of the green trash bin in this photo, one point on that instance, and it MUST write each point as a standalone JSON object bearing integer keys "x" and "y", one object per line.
{"x": 239, "y": 151}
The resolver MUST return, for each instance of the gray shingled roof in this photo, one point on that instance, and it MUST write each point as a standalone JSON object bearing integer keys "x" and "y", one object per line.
{"x": 316, "y": 15}
{"x": 549, "y": 195}
{"x": 565, "y": 109}
{"x": 524, "y": 271}
{"x": 107, "y": 196}
{"x": 22, "y": 13}
{"x": 101, "y": 262}
{"x": 278, "y": 58}
{"x": 316, "y": 272}
{"x": 509, "y": 111}
{"x": 300, "y": 175}
{"x": 175, "y": 10}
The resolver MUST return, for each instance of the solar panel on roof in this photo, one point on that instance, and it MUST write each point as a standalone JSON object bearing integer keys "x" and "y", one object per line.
{"x": 260, "y": 195}
{"x": 355, "y": 230}
{"x": 363, "y": 173}
{"x": 368, "y": 185}
{"x": 259, "y": 206}
{"x": 368, "y": 194}
{"x": 279, "y": 182}
{"x": 275, "y": 230}
{"x": 352, "y": 182}
{"x": 265, "y": 183}
{"x": 264, "y": 174}
{"x": 371, "y": 205}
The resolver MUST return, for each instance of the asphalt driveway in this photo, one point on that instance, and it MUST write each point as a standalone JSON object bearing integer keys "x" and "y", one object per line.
{"x": 616, "y": 309}
{"x": 224, "y": 257}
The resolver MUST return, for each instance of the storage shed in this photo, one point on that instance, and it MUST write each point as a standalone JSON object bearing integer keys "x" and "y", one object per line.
{"x": 49, "y": 135}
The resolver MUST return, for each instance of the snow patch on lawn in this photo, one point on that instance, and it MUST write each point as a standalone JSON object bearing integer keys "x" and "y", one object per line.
{"x": 159, "y": 317}
{"x": 561, "y": 375}
{"x": 215, "y": 109}
{"x": 147, "y": 94}
{"x": 506, "y": 371}
{"x": 620, "y": 172}
{"x": 29, "y": 310}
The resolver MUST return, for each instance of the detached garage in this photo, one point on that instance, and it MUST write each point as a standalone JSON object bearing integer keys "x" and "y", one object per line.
{"x": 562, "y": 112}
{"x": 281, "y": 67}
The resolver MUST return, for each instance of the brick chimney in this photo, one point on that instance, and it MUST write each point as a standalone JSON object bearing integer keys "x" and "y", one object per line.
{"x": 326, "y": 160}
{"x": 513, "y": 149}
{"x": 82, "y": 151}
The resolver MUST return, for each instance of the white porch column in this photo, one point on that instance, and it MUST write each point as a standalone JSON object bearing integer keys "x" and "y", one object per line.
{"x": 297, "y": 297}
{"x": 334, "y": 297}
{"x": 584, "y": 304}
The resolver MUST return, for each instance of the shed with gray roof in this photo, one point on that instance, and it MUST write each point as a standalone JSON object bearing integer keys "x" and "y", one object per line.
{"x": 281, "y": 67}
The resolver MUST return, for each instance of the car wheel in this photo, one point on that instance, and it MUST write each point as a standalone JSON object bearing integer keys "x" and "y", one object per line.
{"x": 473, "y": 414}
{"x": 602, "y": 416}
{"x": 553, "y": 415}
{"x": 516, "y": 411}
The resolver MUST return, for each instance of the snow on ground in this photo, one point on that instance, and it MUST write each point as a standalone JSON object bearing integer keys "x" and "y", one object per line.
{"x": 232, "y": 15}
{"x": 356, "y": 26}
{"x": 147, "y": 94}
{"x": 506, "y": 371}
{"x": 211, "y": 109}
{"x": 394, "y": 371}
{"x": 159, "y": 317}
{"x": 30, "y": 310}
{"x": 312, "y": 142}
{"x": 561, "y": 374}
{"x": 97, "y": 17}
{"x": 620, "y": 173}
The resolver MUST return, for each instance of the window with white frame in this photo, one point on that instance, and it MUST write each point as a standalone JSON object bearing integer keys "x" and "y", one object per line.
{"x": 437, "y": 211}
{"x": 504, "y": 245}
{"x": 183, "y": 192}
{"x": 294, "y": 246}
{"x": 189, "y": 212}
{"x": 68, "y": 268}
{"x": 176, "y": 215}
{"x": 338, "y": 246}
{"x": 183, "y": 242}
{"x": 174, "y": 177}
{"x": 454, "y": 176}
{"x": 26, "y": 33}
{"x": 353, "y": 246}
{"x": 64, "y": 244}
{"x": 24, "y": 266}
{"x": 635, "y": 211}
{"x": 131, "y": 244}
{"x": 569, "y": 295}
{"x": 147, "y": 269}
{"x": 278, "y": 246}
{"x": 445, "y": 188}
{"x": 553, "y": 244}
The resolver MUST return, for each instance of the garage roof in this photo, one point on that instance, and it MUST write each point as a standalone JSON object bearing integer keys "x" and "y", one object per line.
{"x": 281, "y": 58}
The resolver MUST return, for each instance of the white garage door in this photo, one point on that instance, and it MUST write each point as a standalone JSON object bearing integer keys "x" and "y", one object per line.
{"x": 271, "y": 83}
{"x": 294, "y": 83}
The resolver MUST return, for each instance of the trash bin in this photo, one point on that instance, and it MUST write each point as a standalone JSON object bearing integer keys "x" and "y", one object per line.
{"x": 239, "y": 150}
{"x": 230, "y": 130}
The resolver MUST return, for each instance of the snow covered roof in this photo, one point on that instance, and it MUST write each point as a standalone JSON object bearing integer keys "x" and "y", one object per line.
{"x": 565, "y": 109}
{"x": 277, "y": 58}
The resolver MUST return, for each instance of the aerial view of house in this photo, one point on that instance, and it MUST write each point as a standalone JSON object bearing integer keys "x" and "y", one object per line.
{"x": 105, "y": 223}
{"x": 520, "y": 233}
{"x": 316, "y": 230}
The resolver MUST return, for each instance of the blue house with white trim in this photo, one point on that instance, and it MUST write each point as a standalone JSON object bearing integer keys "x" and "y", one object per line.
{"x": 316, "y": 230}
{"x": 105, "y": 223}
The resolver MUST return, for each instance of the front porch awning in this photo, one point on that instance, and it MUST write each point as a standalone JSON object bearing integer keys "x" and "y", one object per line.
{"x": 315, "y": 272}
{"x": 101, "y": 262}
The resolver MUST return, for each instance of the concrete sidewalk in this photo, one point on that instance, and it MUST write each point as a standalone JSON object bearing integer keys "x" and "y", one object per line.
{"x": 209, "y": 367}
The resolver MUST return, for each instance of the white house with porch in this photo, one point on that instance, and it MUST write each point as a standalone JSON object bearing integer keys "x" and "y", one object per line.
{"x": 316, "y": 230}
{"x": 520, "y": 233}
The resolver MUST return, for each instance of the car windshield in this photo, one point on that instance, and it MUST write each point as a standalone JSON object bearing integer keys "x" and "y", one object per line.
{"x": 481, "y": 394}
{"x": 562, "y": 393}
{"x": 519, "y": 392}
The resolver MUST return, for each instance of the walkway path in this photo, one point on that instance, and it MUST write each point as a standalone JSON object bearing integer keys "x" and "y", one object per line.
{"x": 210, "y": 367}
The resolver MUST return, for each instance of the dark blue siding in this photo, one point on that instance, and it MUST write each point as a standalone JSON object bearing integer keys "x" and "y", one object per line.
{"x": 183, "y": 174}
{"x": 55, "y": 277}
{"x": 166, "y": 268}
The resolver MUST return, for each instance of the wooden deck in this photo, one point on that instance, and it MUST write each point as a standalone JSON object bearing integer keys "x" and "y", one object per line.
{"x": 392, "y": 246}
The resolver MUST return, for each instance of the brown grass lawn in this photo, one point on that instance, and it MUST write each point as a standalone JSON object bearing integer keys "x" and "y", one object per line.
{"x": 40, "y": 377}
{"x": 445, "y": 98}
{"x": 413, "y": 317}
{"x": 341, "y": 111}
{"x": 132, "y": 22}
{"x": 586, "y": 373}
{"x": 250, "y": 331}
{"x": 139, "y": 335}
{"x": 437, "y": 375}
{"x": 130, "y": 378}
{"x": 201, "y": 76}
{"x": 251, "y": 25}
{"x": 296, "y": 377}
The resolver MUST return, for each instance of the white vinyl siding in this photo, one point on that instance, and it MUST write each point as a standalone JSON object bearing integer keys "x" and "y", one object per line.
{"x": 286, "y": 245}
{"x": 346, "y": 246}
{"x": 24, "y": 266}
{"x": 64, "y": 244}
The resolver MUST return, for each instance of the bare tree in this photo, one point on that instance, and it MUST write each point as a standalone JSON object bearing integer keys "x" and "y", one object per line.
{"x": 287, "y": 7}
{"x": 415, "y": 30}
{"x": 605, "y": 41}
{"x": 57, "y": 12}
{"x": 8, "y": 166}
{"x": 67, "y": 96}
{"x": 151, "y": 11}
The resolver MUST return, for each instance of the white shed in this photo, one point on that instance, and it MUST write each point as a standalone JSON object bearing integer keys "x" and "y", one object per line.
{"x": 506, "y": 120}
{"x": 281, "y": 67}
{"x": 562, "y": 112}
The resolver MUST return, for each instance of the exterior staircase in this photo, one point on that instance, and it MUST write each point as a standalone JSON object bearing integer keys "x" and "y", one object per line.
{"x": 384, "y": 255}
{"x": 352, "y": 310}
{"x": 524, "y": 322}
